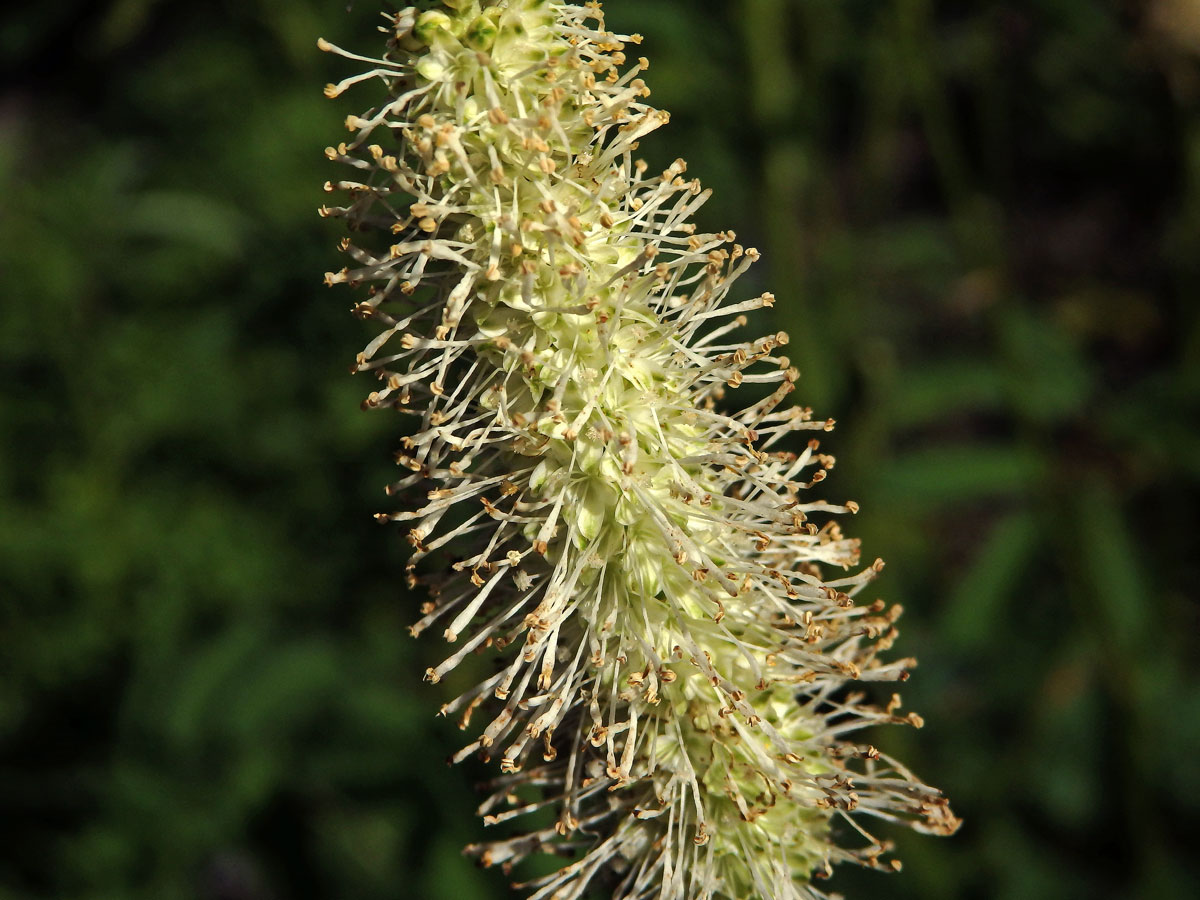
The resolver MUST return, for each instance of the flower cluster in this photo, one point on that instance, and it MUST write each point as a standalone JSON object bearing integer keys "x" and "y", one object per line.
{"x": 672, "y": 620}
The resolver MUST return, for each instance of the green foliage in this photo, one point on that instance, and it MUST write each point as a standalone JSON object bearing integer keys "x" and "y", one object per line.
{"x": 982, "y": 223}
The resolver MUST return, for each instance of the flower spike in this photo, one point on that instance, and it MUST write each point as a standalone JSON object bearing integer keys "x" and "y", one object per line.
{"x": 673, "y": 616}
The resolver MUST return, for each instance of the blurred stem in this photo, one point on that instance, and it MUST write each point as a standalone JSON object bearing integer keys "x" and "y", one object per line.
{"x": 1189, "y": 281}
{"x": 1112, "y": 603}
{"x": 123, "y": 22}
{"x": 996, "y": 145}
{"x": 971, "y": 215}
{"x": 775, "y": 85}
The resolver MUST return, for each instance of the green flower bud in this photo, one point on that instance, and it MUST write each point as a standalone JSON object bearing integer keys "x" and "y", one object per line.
{"x": 432, "y": 26}
{"x": 481, "y": 33}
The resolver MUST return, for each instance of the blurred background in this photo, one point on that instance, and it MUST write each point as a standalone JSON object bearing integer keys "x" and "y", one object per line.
{"x": 982, "y": 221}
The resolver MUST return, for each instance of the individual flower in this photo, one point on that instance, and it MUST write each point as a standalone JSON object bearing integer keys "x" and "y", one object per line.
{"x": 672, "y": 617}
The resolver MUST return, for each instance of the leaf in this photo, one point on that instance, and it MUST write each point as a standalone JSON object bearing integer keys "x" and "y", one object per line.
{"x": 1048, "y": 378}
{"x": 938, "y": 477}
{"x": 941, "y": 388}
{"x": 1110, "y": 562}
{"x": 201, "y": 682}
{"x": 286, "y": 687}
{"x": 197, "y": 220}
{"x": 975, "y": 614}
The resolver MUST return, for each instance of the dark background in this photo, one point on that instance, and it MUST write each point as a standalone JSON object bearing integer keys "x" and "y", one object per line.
{"x": 982, "y": 221}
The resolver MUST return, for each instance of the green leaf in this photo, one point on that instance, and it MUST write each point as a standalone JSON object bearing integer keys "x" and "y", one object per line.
{"x": 204, "y": 676}
{"x": 975, "y": 614}
{"x": 1048, "y": 377}
{"x": 939, "y": 477}
{"x": 197, "y": 220}
{"x": 286, "y": 687}
{"x": 1110, "y": 563}
{"x": 941, "y": 388}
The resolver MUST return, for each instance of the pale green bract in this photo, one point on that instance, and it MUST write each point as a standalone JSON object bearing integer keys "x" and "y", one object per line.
{"x": 674, "y": 634}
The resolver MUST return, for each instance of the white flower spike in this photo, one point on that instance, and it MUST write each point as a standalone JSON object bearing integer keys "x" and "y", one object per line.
{"x": 673, "y": 621}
